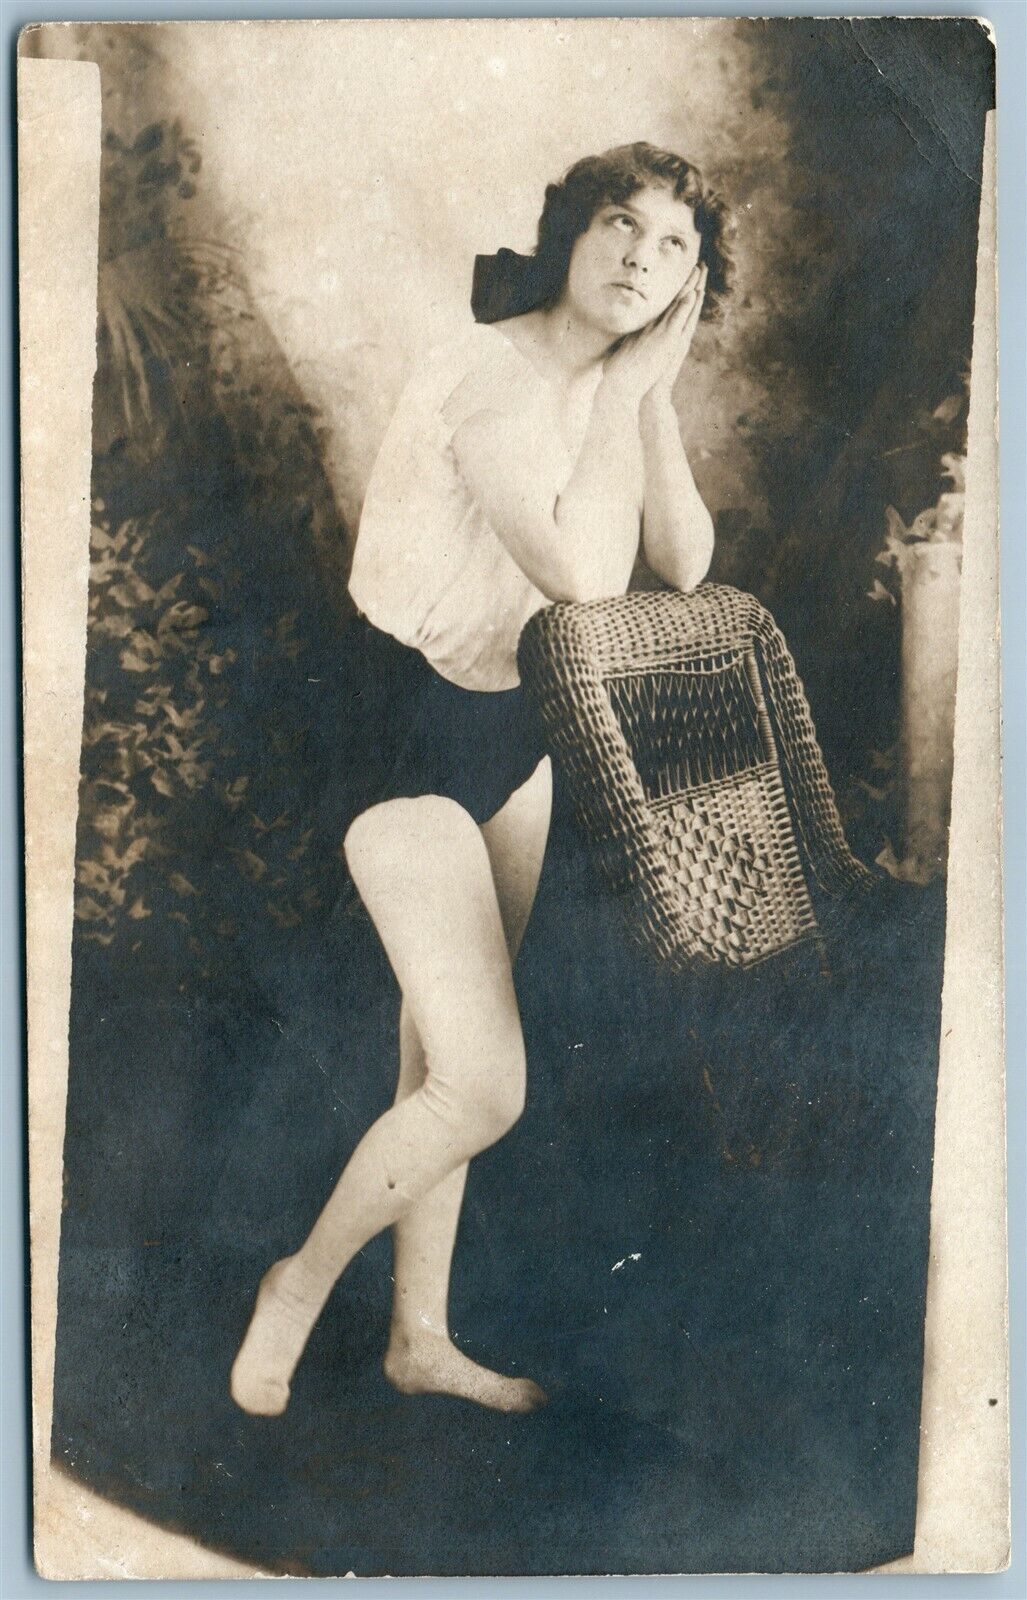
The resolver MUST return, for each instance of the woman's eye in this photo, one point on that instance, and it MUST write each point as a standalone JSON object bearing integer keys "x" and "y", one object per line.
{"x": 622, "y": 217}
{"x": 674, "y": 240}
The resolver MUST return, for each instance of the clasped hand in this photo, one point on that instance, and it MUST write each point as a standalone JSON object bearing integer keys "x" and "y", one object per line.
{"x": 648, "y": 362}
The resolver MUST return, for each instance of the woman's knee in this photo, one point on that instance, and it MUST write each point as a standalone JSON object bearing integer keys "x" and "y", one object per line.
{"x": 367, "y": 835}
{"x": 504, "y": 1095}
{"x": 482, "y": 1101}
{"x": 427, "y": 828}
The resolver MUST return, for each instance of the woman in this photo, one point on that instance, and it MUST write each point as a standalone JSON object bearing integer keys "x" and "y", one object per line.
{"x": 523, "y": 465}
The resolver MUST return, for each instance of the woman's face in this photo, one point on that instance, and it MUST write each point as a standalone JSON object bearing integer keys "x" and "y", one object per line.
{"x": 631, "y": 261}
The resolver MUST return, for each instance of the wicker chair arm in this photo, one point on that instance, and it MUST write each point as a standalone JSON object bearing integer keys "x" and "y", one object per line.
{"x": 835, "y": 868}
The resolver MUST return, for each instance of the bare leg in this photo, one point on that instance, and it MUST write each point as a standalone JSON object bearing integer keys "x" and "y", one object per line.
{"x": 423, "y": 1239}
{"x": 424, "y": 874}
{"x": 421, "y": 1355}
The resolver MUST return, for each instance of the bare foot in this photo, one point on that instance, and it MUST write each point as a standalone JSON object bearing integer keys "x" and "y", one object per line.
{"x": 432, "y": 1364}
{"x": 278, "y": 1331}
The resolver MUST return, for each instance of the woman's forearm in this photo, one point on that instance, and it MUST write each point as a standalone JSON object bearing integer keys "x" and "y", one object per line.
{"x": 578, "y": 543}
{"x": 597, "y": 512}
{"x": 677, "y": 529}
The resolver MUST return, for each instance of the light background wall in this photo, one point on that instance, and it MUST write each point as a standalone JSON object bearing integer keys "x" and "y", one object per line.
{"x": 363, "y": 166}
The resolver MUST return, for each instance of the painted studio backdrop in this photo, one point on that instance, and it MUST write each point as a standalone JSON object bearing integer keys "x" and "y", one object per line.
{"x": 709, "y": 1229}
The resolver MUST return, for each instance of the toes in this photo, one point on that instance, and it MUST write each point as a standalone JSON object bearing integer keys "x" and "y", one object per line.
{"x": 449, "y": 1371}
{"x": 259, "y": 1380}
{"x": 531, "y": 1397}
{"x": 261, "y": 1398}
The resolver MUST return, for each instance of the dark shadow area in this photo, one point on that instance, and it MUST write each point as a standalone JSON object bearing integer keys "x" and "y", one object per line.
{"x": 707, "y": 1238}
{"x": 870, "y": 343}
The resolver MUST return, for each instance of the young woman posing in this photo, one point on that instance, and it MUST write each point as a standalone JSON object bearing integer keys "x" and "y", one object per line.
{"x": 523, "y": 465}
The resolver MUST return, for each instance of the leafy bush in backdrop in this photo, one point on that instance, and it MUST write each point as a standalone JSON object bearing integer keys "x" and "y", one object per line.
{"x": 217, "y": 585}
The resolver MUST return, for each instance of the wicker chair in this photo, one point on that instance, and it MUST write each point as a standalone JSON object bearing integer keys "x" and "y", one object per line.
{"x": 681, "y": 729}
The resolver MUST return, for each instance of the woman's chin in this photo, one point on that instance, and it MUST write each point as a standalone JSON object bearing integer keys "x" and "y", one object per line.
{"x": 620, "y": 321}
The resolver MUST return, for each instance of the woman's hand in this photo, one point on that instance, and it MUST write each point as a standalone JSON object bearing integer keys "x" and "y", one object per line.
{"x": 648, "y": 362}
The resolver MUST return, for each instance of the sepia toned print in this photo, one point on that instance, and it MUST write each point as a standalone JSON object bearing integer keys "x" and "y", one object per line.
{"x": 521, "y": 652}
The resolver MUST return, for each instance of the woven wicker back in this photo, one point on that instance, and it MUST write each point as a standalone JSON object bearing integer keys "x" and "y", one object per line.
{"x": 682, "y": 731}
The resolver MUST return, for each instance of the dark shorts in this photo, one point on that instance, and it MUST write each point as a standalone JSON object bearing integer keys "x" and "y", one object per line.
{"x": 422, "y": 735}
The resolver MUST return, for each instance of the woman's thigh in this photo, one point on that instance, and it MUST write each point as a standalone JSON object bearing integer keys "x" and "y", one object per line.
{"x": 424, "y": 873}
{"x": 515, "y": 839}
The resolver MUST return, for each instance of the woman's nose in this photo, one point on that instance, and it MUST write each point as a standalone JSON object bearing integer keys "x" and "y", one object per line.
{"x": 635, "y": 256}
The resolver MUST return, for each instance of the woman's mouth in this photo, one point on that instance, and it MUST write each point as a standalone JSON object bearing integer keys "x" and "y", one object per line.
{"x": 628, "y": 288}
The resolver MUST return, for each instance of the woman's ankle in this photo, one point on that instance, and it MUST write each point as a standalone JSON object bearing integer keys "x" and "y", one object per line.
{"x": 410, "y": 1332}
{"x": 301, "y": 1282}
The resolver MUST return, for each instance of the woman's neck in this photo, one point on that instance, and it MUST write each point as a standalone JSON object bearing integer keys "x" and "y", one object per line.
{"x": 572, "y": 349}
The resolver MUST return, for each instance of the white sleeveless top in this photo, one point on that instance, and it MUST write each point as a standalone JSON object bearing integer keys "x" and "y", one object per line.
{"x": 428, "y": 567}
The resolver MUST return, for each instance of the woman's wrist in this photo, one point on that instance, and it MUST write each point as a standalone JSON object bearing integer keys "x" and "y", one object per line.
{"x": 657, "y": 418}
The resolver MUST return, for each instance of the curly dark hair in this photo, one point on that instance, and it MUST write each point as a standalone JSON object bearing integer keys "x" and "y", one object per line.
{"x": 508, "y": 284}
